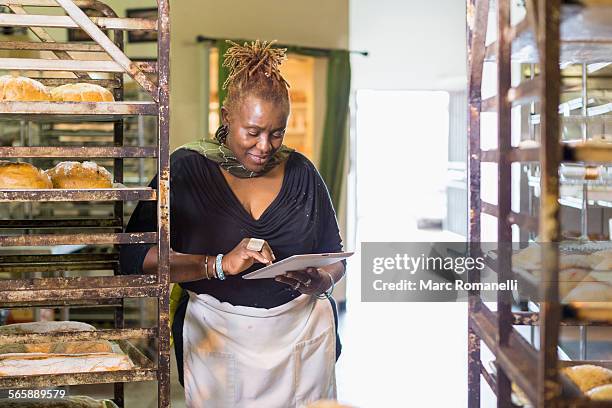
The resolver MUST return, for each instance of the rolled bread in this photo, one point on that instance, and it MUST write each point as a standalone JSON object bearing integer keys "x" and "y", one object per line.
{"x": 18, "y": 88}
{"x": 17, "y": 364}
{"x": 81, "y": 92}
{"x": 568, "y": 279}
{"x": 601, "y": 393}
{"x": 590, "y": 290}
{"x": 55, "y": 358}
{"x": 79, "y": 347}
{"x": 80, "y": 175}
{"x": 588, "y": 376}
{"x": 45, "y": 327}
{"x": 15, "y": 175}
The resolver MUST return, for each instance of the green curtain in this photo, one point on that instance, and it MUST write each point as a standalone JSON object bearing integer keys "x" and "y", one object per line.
{"x": 333, "y": 146}
{"x": 334, "y": 141}
{"x": 222, "y": 47}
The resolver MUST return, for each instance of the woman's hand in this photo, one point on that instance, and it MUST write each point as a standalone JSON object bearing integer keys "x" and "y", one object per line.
{"x": 309, "y": 281}
{"x": 240, "y": 258}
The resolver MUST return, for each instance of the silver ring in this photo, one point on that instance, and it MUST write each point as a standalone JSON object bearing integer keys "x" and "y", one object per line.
{"x": 308, "y": 282}
{"x": 255, "y": 244}
{"x": 297, "y": 286}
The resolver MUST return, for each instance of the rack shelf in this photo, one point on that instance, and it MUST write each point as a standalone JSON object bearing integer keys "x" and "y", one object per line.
{"x": 580, "y": 34}
{"x": 108, "y": 334}
{"x": 101, "y": 194}
{"x": 71, "y": 239}
{"x": 575, "y": 152}
{"x": 74, "y": 111}
{"x": 100, "y": 227}
{"x": 77, "y": 152}
{"x": 24, "y": 297}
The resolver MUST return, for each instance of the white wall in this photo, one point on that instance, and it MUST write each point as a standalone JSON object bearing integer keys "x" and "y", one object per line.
{"x": 413, "y": 44}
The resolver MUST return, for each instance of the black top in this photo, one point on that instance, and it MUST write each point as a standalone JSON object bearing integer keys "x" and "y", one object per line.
{"x": 206, "y": 217}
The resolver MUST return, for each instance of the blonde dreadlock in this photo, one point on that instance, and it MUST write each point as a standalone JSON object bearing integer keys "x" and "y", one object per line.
{"x": 254, "y": 69}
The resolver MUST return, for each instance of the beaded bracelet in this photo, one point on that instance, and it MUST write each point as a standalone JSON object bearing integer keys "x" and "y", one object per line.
{"x": 327, "y": 294}
{"x": 219, "y": 267}
{"x": 214, "y": 270}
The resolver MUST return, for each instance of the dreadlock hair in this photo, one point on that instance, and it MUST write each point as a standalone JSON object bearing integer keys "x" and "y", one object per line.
{"x": 254, "y": 70}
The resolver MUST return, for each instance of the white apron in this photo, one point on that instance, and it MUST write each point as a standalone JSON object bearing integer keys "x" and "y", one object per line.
{"x": 237, "y": 356}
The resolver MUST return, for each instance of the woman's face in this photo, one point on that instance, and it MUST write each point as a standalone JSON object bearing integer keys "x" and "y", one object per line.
{"x": 256, "y": 131}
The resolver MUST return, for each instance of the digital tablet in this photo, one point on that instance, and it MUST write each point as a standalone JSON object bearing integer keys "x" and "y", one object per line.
{"x": 297, "y": 262}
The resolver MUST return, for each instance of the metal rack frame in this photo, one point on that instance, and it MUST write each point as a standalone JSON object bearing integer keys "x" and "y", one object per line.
{"x": 87, "y": 291}
{"x": 535, "y": 371}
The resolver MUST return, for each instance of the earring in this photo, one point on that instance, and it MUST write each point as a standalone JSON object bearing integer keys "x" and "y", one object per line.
{"x": 221, "y": 133}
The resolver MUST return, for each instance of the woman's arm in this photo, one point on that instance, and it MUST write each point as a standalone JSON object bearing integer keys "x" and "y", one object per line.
{"x": 183, "y": 267}
{"x": 188, "y": 268}
{"x": 335, "y": 270}
{"x": 313, "y": 281}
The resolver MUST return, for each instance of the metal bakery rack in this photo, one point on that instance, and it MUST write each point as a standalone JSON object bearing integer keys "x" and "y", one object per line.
{"x": 552, "y": 36}
{"x": 103, "y": 62}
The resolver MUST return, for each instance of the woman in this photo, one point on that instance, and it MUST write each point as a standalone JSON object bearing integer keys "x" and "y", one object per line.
{"x": 237, "y": 203}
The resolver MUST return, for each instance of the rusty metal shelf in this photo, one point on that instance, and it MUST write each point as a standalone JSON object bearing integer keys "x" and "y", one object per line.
{"x": 75, "y": 111}
{"x": 572, "y": 153}
{"x": 573, "y": 314}
{"x": 569, "y": 318}
{"x": 79, "y": 282}
{"x": 53, "y": 295}
{"x": 78, "y": 152}
{"x": 58, "y": 263}
{"x": 87, "y": 291}
{"x": 60, "y": 223}
{"x": 101, "y": 377}
{"x": 144, "y": 370}
{"x": 72, "y": 239}
{"x": 524, "y": 220}
{"x": 63, "y": 302}
{"x": 66, "y": 258}
{"x": 98, "y": 194}
{"x": 518, "y": 359}
{"x": 102, "y": 334}
{"x": 566, "y": 33}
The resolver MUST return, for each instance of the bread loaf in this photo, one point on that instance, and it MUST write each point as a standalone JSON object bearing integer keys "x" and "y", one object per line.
{"x": 45, "y": 327}
{"x": 80, "y": 347}
{"x": 528, "y": 258}
{"x": 601, "y": 393}
{"x": 577, "y": 261}
{"x": 58, "y": 357}
{"x": 80, "y": 175}
{"x": 588, "y": 376}
{"x": 570, "y": 278}
{"x": 17, "y": 364}
{"x": 81, "y": 92}
{"x": 22, "y": 176}
{"x": 604, "y": 265}
{"x": 18, "y": 88}
{"x": 590, "y": 290}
